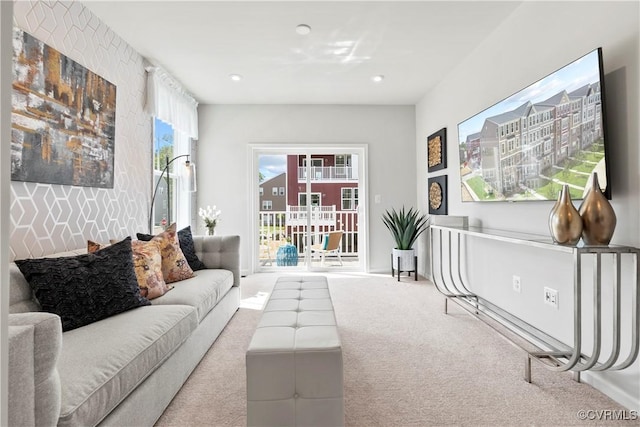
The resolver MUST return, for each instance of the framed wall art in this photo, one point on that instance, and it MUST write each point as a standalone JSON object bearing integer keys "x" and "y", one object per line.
{"x": 437, "y": 190}
{"x": 437, "y": 150}
{"x": 63, "y": 118}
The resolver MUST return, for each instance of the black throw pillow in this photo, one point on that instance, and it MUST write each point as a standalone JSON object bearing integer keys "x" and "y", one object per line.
{"x": 186, "y": 245}
{"x": 85, "y": 288}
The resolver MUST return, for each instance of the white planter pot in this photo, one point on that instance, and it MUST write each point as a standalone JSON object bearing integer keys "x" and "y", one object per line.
{"x": 407, "y": 259}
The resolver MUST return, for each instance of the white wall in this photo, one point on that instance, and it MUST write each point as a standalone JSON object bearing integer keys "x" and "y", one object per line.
{"x": 223, "y": 170}
{"x": 6, "y": 77}
{"x": 538, "y": 38}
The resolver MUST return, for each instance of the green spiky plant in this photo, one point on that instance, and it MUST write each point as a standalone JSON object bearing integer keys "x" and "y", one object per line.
{"x": 405, "y": 226}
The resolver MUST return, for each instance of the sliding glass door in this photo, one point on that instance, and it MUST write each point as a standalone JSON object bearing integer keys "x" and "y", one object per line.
{"x": 309, "y": 208}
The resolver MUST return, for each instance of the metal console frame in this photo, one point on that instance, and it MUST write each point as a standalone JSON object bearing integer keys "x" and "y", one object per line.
{"x": 547, "y": 350}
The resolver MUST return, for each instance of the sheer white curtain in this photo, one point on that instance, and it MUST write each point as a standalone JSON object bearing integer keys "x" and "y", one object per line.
{"x": 182, "y": 145}
{"x": 168, "y": 101}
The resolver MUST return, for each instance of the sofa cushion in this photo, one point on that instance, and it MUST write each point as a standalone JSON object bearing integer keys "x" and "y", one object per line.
{"x": 188, "y": 249}
{"x": 21, "y": 298}
{"x": 147, "y": 262}
{"x": 85, "y": 288}
{"x": 103, "y": 362}
{"x": 186, "y": 245}
{"x": 201, "y": 292}
{"x": 174, "y": 265}
{"x": 95, "y": 246}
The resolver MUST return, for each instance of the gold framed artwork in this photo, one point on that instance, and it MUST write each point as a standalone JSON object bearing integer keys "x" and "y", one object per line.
{"x": 437, "y": 150}
{"x": 437, "y": 191}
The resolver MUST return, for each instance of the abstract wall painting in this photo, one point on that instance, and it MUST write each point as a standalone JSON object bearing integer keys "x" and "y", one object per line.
{"x": 63, "y": 118}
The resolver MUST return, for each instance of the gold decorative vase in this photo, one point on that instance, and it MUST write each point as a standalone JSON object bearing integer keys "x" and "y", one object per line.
{"x": 565, "y": 223}
{"x": 598, "y": 217}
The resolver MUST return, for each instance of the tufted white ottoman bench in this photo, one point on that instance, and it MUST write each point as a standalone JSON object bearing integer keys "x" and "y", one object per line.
{"x": 294, "y": 360}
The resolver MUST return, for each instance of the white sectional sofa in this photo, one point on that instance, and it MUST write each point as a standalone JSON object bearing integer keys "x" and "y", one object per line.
{"x": 123, "y": 370}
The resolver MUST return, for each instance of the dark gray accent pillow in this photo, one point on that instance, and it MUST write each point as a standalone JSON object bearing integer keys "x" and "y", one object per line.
{"x": 186, "y": 245}
{"x": 85, "y": 288}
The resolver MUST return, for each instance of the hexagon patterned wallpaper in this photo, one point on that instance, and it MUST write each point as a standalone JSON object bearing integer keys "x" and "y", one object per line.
{"x": 49, "y": 218}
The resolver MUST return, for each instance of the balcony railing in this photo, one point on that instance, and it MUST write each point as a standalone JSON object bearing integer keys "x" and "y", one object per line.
{"x": 320, "y": 215}
{"x": 275, "y": 226}
{"x": 328, "y": 173}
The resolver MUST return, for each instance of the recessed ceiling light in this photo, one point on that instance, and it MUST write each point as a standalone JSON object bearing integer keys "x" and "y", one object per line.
{"x": 235, "y": 77}
{"x": 303, "y": 29}
{"x": 378, "y": 78}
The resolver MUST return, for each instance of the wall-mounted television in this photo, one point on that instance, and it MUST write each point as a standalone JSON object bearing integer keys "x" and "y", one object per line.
{"x": 551, "y": 133}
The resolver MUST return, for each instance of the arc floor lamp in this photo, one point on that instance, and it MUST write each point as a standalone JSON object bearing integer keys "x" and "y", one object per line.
{"x": 188, "y": 178}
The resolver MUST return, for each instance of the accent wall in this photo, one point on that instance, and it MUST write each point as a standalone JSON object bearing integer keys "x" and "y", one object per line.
{"x": 48, "y": 218}
{"x": 535, "y": 40}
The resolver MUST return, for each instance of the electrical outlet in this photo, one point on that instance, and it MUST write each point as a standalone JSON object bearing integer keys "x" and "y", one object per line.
{"x": 551, "y": 297}
{"x": 516, "y": 284}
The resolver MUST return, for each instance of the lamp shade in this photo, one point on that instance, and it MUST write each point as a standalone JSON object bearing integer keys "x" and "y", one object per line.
{"x": 189, "y": 182}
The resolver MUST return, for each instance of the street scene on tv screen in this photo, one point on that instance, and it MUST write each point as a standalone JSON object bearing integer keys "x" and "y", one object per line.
{"x": 529, "y": 145}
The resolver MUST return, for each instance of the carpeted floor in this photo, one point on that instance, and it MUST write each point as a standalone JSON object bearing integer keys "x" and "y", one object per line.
{"x": 406, "y": 363}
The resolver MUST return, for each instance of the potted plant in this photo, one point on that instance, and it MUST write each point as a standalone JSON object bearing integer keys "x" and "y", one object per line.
{"x": 405, "y": 226}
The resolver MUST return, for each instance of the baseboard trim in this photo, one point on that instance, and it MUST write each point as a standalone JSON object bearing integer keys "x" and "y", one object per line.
{"x": 611, "y": 390}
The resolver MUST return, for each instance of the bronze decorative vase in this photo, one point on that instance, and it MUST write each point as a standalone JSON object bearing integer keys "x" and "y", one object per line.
{"x": 598, "y": 217}
{"x": 565, "y": 223}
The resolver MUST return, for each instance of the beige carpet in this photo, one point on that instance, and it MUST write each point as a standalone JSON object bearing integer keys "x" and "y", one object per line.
{"x": 405, "y": 364}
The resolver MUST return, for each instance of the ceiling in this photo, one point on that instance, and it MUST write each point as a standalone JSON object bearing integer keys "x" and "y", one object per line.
{"x": 414, "y": 44}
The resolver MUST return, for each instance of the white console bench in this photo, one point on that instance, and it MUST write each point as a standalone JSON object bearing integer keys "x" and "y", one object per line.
{"x": 294, "y": 360}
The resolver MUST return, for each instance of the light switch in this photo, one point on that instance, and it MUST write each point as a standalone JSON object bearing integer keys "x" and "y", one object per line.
{"x": 377, "y": 198}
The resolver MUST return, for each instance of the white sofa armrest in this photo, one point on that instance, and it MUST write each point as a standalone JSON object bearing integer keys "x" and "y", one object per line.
{"x": 35, "y": 341}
